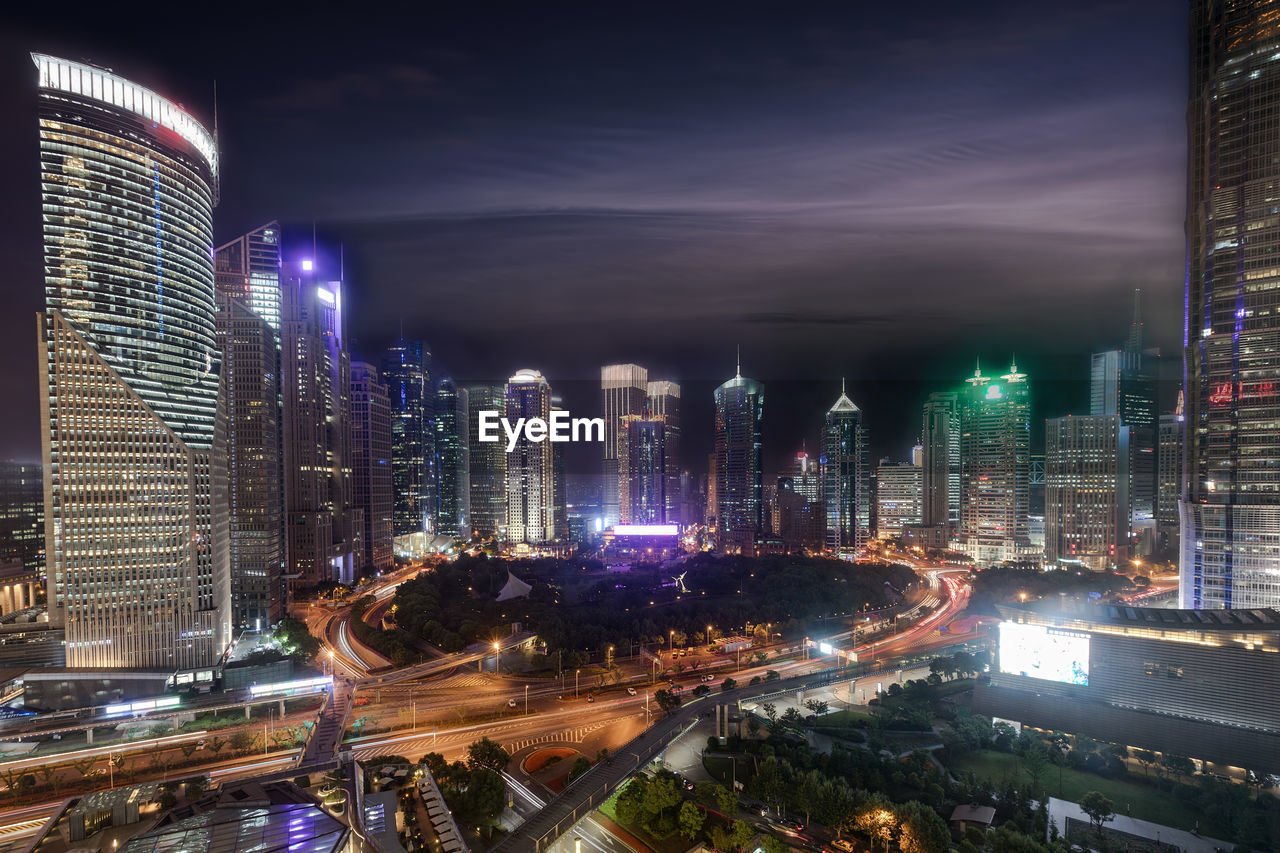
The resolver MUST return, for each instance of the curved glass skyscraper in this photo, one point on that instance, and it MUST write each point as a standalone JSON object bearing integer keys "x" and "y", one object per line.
{"x": 137, "y": 552}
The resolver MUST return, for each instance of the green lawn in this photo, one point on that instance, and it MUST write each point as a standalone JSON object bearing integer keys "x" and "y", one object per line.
{"x": 844, "y": 719}
{"x": 720, "y": 767}
{"x": 1147, "y": 803}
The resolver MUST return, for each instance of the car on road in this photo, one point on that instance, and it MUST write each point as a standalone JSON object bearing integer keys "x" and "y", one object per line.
{"x": 843, "y": 844}
{"x": 631, "y": 691}
{"x": 591, "y": 697}
{"x": 707, "y": 678}
{"x": 511, "y": 703}
{"x": 792, "y": 824}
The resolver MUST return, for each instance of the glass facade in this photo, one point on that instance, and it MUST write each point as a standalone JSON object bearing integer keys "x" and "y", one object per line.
{"x": 137, "y": 552}
{"x": 1229, "y": 516}
{"x": 531, "y": 465}
{"x": 453, "y": 476}
{"x": 846, "y": 476}
{"x": 739, "y": 472}
{"x": 406, "y": 369}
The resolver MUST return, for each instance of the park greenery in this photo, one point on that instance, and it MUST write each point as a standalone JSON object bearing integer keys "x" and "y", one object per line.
{"x": 580, "y": 610}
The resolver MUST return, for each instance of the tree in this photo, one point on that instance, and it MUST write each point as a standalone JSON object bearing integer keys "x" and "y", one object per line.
{"x": 700, "y": 691}
{"x": 630, "y": 803}
{"x": 1035, "y": 763}
{"x": 241, "y": 740}
{"x": 1099, "y": 808}
{"x": 489, "y": 754}
{"x": 773, "y": 844}
{"x": 727, "y": 685}
{"x": 772, "y": 675}
{"x": 691, "y": 820}
{"x": 817, "y": 707}
{"x": 770, "y": 713}
{"x": 296, "y": 640}
{"x": 726, "y": 800}
{"x": 740, "y": 833}
{"x": 667, "y": 700}
{"x": 484, "y": 797}
{"x": 1146, "y": 758}
{"x": 771, "y": 782}
{"x": 659, "y": 795}
{"x": 876, "y": 820}
{"x": 581, "y": 765}
{"x": 921, "y": 830}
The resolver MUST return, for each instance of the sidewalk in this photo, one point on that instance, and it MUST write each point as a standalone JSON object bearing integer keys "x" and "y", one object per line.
{"x": 1060, "y": 810}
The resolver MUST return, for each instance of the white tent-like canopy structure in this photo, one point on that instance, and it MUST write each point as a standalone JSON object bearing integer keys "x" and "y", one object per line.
{"x": 515, "y": 588}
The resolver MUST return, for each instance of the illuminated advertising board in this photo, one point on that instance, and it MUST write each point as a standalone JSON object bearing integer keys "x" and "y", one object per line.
{"x": 1035, "y": 651}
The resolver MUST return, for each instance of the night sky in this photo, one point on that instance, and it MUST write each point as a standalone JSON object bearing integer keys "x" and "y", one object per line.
{"x": 879, "y": 191}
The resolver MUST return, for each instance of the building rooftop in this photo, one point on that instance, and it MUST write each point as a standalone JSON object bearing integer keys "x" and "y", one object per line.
{"x": 1258, "y": 619}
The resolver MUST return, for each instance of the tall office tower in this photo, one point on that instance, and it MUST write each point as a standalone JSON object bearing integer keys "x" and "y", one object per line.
{"x": 626, "y": 393}
{"x": 1230, "y": 510}
{"x": 899, "y": 497}
{"x": 530, "y": 466}
{"x": 806, "y": 477}
{"x": 642, "y": 471}
{"x": 846, "y": 476}
{"x": 559, "y": 495}
{"x": 453, "y": 483}
{"x": 739, "y": 469}
{"x": 664, "y": 403}
{"x": 406, "y": 370}
{"x": 487, "y": 472}
{"x": 941, "y": 463}
{"x": 1086, "y": 478}
{"x": 315, "y": 369}
{"x": 995, "y": 468}
{"x": 22, "y": 514}
{"x": 251, "y": 379}
{"x": 371, "y": 471}
{"x": 246, "y": 273}
{"x": 1123, "y": 382}
{"x": 1169, "y": 468}
{"x": 712, "y": 502}
{"x": 135, "y": 512}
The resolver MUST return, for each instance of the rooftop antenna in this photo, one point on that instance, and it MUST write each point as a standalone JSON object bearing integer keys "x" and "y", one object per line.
{"x": 342, "y": 263}
{"x": 739, "y": 376}
{"x": 842, "y": 393}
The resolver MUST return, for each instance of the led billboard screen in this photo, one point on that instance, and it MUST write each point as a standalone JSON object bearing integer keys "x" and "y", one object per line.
{"x": 1039, "y": 652}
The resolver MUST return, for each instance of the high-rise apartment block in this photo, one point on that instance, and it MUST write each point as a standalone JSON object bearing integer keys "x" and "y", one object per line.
{"x": 1086, "y": 477}
{"x": 642, "y": 471}
{"x": 625, "y": 390}
{"x": 899, "y": 497}
{"x": 663, "y": 404}
{"x": 135, "y": 503}
{"x": 22, "y": 515}
{"x": 487, "y": 465}
{"x": 1230, "y": 512}
{"x": 995, "y": 468}
{"x": 1169, "y": 476}
{"x": 940, "y": 440}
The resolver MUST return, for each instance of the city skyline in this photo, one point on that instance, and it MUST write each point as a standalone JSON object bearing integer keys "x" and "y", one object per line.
{"x": 799, "y": 346}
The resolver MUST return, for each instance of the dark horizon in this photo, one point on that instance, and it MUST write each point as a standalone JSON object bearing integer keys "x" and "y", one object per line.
{"x": 878, "y": 195}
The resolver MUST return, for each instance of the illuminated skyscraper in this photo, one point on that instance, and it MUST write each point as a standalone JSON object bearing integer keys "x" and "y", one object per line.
{"x": 371, "y": 481}
{"x": 530, "y": 466}
{"x": 995, "y": 468}
{"x": 1169, "y": 468}
{"x": 406, "y": 370}
{"x": 247, "y": 281}
{"x": 1230, "y": 512}
{"x": 846, "y": 476}
{"x": 487, "y": 464}
{"x": 941, "y": 465}
{"x": 899, "y": 491}
{"x": 316, "y": 373}
{"x": 1086, "y": 478}
{"x": 625, "y": 388}
{"x": 664, "y": 403}
{"x": 135, "y": 508}
{"x": 22, "y": 514}
{"x": 642, "y": 470}
{"x": 739, "y": 470}
{"x": 452, "y": 475}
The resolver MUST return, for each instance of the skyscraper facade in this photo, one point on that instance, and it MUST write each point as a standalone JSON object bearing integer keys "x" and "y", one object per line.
{"x": 739, "y": 470}
{"x": 453, "y": 480}
{"x": 135, "y": 508}
{"x": 22, "y": 514}
{"x": 371, "y": 480}
{"x": 1230, "y": 511}
{"x": 625, "y": 390}
{"x": 1169, "y": 486}
{"x": 487, "y": 465}
{"x": 664, "y": 404}
{"x": 530, "y": 466}
{"x": 1123, "y": 382}
{"x": 940, "y": 438}
{"x": 846, "y": 476}
{"x": 1086, "y": 476}
{"x": 406, "y": 370}
{"x": 899, "y": 497}
{"x": 316, "y": 372}
{"x": 247, "y": 283}
{"x": 995, "y": 468}
{"x": 642, "y": 471}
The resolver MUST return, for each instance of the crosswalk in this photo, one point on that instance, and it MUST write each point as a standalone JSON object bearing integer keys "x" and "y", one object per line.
{"x": 574, "y": 735}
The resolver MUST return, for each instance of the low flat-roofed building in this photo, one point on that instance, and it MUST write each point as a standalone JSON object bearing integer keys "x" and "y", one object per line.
{"x": 1203, "y": 683}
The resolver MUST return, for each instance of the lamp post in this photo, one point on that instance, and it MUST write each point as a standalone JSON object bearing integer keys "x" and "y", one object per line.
{"x": 497, "y": 657}
{"x": 576, "y": 673}
{"x": 526, "y": 700}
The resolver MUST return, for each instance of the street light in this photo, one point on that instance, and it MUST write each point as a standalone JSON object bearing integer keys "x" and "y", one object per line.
{"x": 497, "y": 656}
{"x": 526, "y": 700}
{"x": 576, "y": 673}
